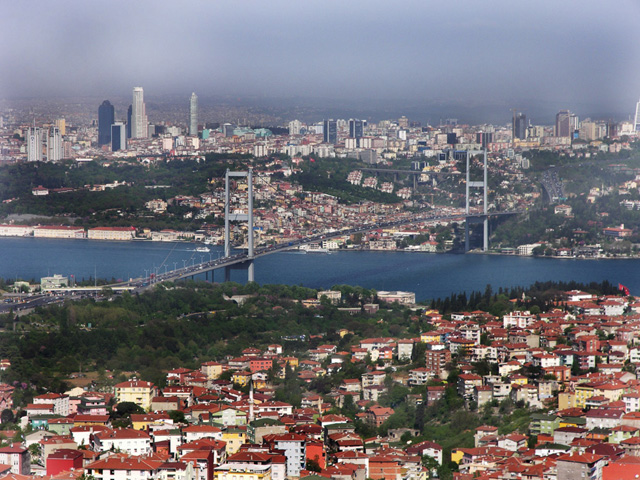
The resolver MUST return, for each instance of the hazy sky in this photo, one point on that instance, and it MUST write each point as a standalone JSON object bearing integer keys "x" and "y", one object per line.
{"x": 519, "y": 52}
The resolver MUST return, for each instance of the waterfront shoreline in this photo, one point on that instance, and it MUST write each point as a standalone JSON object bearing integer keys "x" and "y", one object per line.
{"x": 429, "y": 276}
{"x": 186, "y": 241}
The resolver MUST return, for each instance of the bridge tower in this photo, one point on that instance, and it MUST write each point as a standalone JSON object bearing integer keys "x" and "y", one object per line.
{"x": 485, "y": 218}
{"x": 239, "y": 217}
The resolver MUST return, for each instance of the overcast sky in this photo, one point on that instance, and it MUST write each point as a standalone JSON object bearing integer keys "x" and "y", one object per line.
{"x": 519, "y": 52}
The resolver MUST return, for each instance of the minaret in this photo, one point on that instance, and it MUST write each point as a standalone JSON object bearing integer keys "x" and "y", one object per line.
{"x": 251, "y": 417}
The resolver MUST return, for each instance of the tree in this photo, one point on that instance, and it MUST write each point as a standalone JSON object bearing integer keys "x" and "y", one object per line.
{"x": 6, "y": 416}
{"x": 35, "y": 450}
{"x": 313, "y": 465}
{"x": 177, "y": 416}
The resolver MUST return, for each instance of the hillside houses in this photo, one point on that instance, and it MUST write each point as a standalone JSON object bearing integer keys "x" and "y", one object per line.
{"x": 570, "y": 372}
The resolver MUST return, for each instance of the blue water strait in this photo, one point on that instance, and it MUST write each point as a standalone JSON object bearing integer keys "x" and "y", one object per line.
{"x": 428, "y": 275}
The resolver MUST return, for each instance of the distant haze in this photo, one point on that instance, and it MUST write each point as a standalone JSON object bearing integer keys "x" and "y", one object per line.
{"x": 469, "y": 58}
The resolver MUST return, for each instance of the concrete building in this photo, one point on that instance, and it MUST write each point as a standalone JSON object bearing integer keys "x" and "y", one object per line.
{"x": 58, "y": 231}
{"x": 111, "y": 233}
{"x": 586, "y": 466}
{"x": 330, "y": 131}
{"x": 118, "y": 137}
{"x": 193, "y": 115}
{"x": 139, "y": 120}
{"x": 139, "y": 392}
{"x": 34, "y": 144}
{"x": 47, "y": 283}
{"x": 17, "y": 457}
{"x": 519, "y": 126}
{"x": 55, "y": 150}
{"x": 403, "y": 298}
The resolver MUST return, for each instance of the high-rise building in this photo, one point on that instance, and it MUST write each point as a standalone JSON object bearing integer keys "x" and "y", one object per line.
{"x": 484, "y": 138}
{"x": 118, "y": 137}
{"x": 356, "y": 128}
{"x": 139, "y": 119}
{"x": 294, "y": 127}
{"x": 330, "y": 131}
{"x": 566, "y": 123}
{"x": 62, "y": 126}
{"x": 129, "y": 121}
{"x": 34, "y": 144}
{"x": 106, "y": 117}
{"x": 55, "y": 150}
{"x": 636, "y": 120}
{"x": 519, "y": 126}
{"x": 193, "y": 115}
{"x": 228, "y": 129}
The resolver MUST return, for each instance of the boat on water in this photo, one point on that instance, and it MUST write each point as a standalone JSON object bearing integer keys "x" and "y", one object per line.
{"x": 203, "y": 249}
{"x": 313, "y": 248}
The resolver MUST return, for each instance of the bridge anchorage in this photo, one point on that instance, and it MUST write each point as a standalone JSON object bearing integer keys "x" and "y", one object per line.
{"x": 239, "y": 217}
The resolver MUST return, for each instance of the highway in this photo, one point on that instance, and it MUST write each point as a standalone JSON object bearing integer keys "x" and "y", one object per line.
{"x": 410, "y": 172}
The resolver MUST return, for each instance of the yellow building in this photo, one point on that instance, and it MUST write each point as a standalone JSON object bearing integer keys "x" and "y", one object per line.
{"x": 136, "y": 391}
{"x": 566, "y": 400}
{"x": 142, "y": 421}
{"x": 241, "y": 378}
{"x": 235, "y": 438}
{"x": 430, "y": 337}
{"x": 456, "y": 455}
{"x": 291, "y": 361}
{"x": 212, "y": 370}
{"x": 519, "y": 380}
{"x": 583, "y": 392}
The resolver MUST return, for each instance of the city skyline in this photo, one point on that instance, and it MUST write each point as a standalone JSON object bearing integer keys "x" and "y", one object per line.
{"x": 463, "y": 54}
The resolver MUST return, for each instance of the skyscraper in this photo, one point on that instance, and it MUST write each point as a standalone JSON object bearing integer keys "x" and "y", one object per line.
{"x": 55, "y": 151}
{"x": 138, "y": 114}
{"x": 118, "y": 137}
{"x": 519, "y": 126}
{"x": 106, "y": 115}
{"x": 193, "y": 115}
{"x": 34, "y": 144}
{"x": 636, "y": 120}
{"x": 330, "y": 131}
{"x": 566, "y": 123}
{"x": 129, "y": 121}
{"x": 356, "y": 128}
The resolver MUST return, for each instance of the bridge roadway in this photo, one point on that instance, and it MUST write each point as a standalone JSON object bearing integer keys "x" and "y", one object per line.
{"x": 141, "y": 284}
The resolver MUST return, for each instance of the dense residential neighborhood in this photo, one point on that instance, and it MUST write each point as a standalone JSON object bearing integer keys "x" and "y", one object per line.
{"x": 578, "y": 185}
{"x": 566, "y": 378}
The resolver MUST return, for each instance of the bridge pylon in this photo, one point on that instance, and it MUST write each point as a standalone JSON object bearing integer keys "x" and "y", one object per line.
{"x": 485, "y": 218}
{"x": 239, "y": 217}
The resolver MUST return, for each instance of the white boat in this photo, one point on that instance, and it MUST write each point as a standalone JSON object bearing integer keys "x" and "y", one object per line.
{"x": 203, "y": 249}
